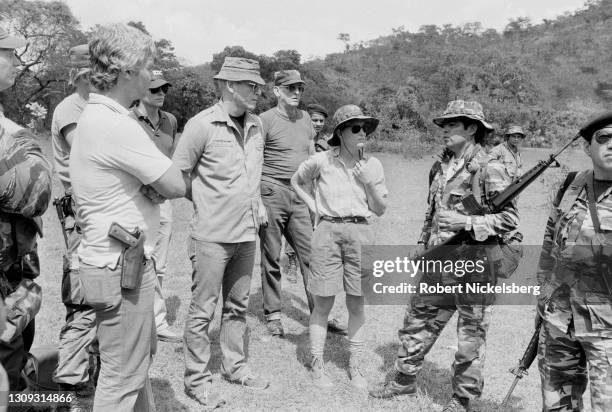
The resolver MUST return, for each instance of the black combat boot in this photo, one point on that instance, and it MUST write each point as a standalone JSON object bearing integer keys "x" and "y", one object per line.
{"x": 401, "y": 385}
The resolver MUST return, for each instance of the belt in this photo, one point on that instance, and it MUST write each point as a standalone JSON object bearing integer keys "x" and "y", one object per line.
{"x": 345, "y": 219}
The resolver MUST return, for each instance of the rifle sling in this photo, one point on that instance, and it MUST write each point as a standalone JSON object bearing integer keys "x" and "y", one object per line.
{"x": 592, "y": 202}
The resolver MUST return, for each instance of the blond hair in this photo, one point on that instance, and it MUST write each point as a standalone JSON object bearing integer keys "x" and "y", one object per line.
{"x": 117, "y": 48}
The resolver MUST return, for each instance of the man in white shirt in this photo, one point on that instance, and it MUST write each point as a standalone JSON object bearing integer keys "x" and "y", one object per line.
{"x": 110, "y": 161}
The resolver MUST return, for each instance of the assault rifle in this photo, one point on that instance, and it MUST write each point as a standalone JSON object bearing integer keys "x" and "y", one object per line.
{"x": 525, "y": 362}
{"x": 496, "y": 204}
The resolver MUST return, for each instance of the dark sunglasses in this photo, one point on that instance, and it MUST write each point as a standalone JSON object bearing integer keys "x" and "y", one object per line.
{"x": 356, "y": 128}
{"x": 603, "y": 139}
{"x": 294, "y": 87}
{"x": 163, "y": 88}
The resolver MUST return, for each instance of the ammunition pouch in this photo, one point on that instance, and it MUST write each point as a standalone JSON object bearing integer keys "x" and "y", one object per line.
{"x": 505, "y": 255}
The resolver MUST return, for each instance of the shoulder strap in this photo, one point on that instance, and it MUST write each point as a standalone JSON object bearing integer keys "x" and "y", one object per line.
{"x": 570, "y": 190}
{"x": 435, "y": 168}
{"x": 592, "y": 201}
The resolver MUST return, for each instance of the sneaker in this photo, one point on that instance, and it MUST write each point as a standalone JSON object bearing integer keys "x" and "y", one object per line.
{"x": 208, "y": 399}
{"x": 401, "y": 385}
{"x": 457, "y": 404}
{"x": 275, "y": 328}
{"x": 251, "y": 381}
{"x": 166, "y": 335}
{"x": 292, "y": 269}
{"x": 318, "y": 375}
{"x": 357, "y": 379}
{"x": 334, "y": 326}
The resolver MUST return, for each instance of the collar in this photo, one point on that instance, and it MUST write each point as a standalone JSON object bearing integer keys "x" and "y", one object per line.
{"x": 95, "y": 98}
{"x": 220, "y": 115}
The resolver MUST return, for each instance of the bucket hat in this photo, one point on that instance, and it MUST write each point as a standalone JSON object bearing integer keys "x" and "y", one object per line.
{"x": 238, "y": 69}
{"x": 462, "y": 108}
{"x": 347, "y": 113}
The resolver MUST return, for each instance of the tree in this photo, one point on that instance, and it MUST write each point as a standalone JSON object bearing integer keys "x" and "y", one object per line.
{"x": 50, "y": 30}
{"x": 346, "y": 39}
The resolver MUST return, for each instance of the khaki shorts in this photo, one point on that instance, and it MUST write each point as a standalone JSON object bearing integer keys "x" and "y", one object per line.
{"x": 335, "y": 258}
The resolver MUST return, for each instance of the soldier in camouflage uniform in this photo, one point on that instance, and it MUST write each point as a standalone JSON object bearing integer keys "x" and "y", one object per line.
{"x": 509, "y": 152}
{"x": 25, "y": 189}
{"x": 464, "y": 127}
{"x": 575, "y": 344}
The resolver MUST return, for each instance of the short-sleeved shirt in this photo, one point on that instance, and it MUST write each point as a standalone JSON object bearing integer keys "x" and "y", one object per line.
{"x": 337, "y": 192}
{"x": 111, "y": 158}
{"x": 163, "y": 134}
{"x": 287, "y": 142}
{"x": 66, "y": 113}
{"x": 225, "y": 170}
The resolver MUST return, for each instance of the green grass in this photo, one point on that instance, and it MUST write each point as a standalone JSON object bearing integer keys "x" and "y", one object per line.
{"x": 282, "y": 360}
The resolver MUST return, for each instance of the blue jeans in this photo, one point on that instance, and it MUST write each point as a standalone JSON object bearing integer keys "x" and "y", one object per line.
{"x": 287, "y": 215}
{"x": 226, "y": 269}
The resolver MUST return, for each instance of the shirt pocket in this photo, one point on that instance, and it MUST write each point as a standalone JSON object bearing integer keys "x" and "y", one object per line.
{"x": 600, "y": 311}
{"x": 221, "y": 144}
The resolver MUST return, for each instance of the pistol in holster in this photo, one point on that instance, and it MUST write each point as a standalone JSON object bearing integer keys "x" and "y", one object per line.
{"x": 132, "y": 258}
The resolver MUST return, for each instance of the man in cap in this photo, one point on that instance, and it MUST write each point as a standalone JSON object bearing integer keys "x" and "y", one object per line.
{"x": 25, "y": 190}
{"x": 288, "y": 141}
{"x": 111, "y": 160}
{"x": 318, "y": 115}
{"x": 509, "y": 153}
{"x": 161, "y": 128}
{"x": 221, "y": 151}
{"x": 78, "y": 335}
{"x": 463, "y": 128}
{"x": 574, "y": 274}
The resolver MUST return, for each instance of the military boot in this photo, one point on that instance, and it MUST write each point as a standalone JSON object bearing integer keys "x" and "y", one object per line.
{"x": 401, "y": 385}
{"x": 457, "y": 404}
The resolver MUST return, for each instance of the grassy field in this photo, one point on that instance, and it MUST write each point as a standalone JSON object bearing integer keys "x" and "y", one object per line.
{"x": 282, "y": 360}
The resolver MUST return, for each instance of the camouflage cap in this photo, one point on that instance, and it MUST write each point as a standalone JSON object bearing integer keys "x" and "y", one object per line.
{"x": 515, "y": 129}
{"x": 10, "y": 42}
{"x": 347, "y": 113}
{"x": 287, "y": 77}
{"x": 596, "y": 123}
{"x": 238, "y": 69}
{"x": 462, "y": 108}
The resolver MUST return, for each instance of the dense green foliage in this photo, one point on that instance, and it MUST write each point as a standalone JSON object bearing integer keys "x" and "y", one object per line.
{"x": 549, "y": 77}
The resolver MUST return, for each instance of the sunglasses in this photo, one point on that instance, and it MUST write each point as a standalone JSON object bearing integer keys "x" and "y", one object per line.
{"x": 603, "y": 139}
{"x": 163, "y": 88}
{"x": 294, "y": 87}
{"x": 356, "y": 128}
{"x": 255, "y": 88}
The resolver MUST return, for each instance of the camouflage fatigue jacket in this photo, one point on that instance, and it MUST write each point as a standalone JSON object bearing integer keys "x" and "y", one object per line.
{"x": 451, "y": 179}
{"x": 512, "y": 161}
{"x": 575, "y": 272}
{"x": 25, "y": 190}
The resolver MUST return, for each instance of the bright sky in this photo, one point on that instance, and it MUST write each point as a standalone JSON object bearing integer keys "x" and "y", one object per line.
{"x": 200, "y": 28}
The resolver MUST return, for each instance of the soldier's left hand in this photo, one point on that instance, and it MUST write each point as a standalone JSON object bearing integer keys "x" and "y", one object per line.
{"x": 451, "y": 220}
{"x": 363, "y": 172}
{"x": 152, "y": 194}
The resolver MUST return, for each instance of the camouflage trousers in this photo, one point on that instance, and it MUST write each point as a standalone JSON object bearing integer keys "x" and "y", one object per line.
{"x": 424, "y": 322}
{"x": 562, "y": 361}
{"x": 78, "y": 345}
